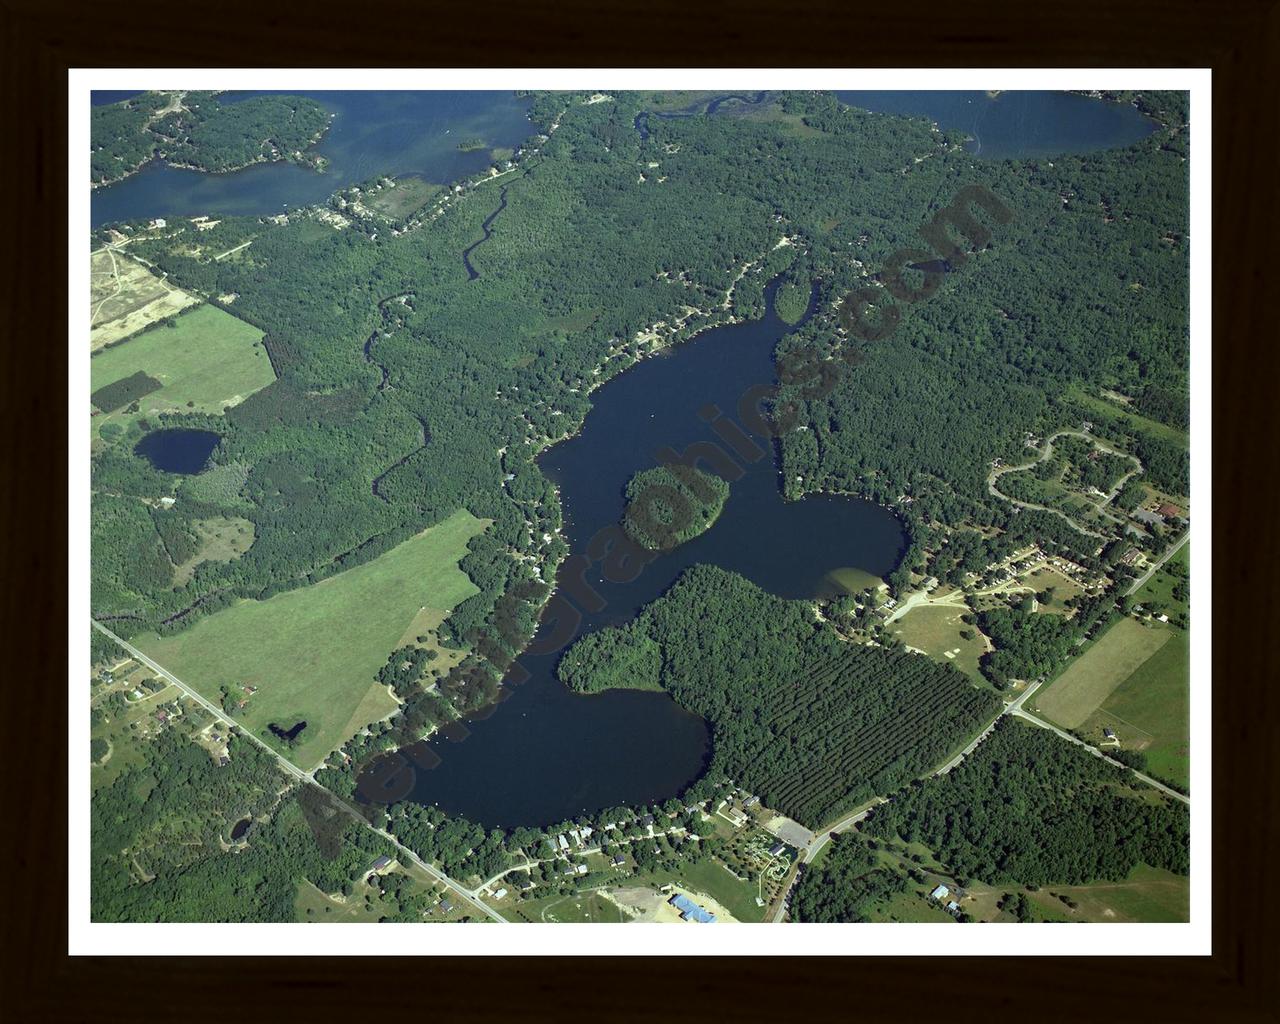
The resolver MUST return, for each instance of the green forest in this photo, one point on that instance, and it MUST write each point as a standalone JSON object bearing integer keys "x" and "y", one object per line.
{"x": 388, "y": 416}
{"x": 811, "y": 723}
{"x": 1028, "y": 807}
{"x": 849, "y": 881}
{"x": 667, "y": 506}
{"x": 199, "y": 130}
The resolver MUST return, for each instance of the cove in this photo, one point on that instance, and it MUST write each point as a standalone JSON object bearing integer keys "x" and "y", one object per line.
{"x": 178, "y": 451}
{"x": 374, "y": 133}
{"x": 546, "y": 754}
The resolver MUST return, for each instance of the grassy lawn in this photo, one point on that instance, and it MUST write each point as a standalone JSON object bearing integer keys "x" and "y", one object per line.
{"x": 1089, "y": 680}
{"x": 313, "y": 653}
{"x": 1148, "y": 895}
{"x": 1100, "y": 408}
{"x": 1150, "y": 711}
{"x": 935, "y": 629}
{"x": 1157, "y": 592}
{"x": 222, "y": 539}
{"x": 710, "y": 877}
{"x": 409, "y": 195}
{"x": 910, "y": 906}
{"x": 578, "y": 907}
{"x": 208, "y": 360}
{"x": 119, "y": 731}
{"x": 1064, "y": 588}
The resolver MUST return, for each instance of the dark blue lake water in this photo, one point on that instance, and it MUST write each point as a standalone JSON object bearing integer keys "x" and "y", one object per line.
{"x": 178, "y": 451}
{"x": 1016, "y": 125}
{"x": 374, "y": 133}
{"x": 546, "y": 753}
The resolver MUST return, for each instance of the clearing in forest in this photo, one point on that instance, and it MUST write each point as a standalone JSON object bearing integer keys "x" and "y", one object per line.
{"x": 313, "y": 653}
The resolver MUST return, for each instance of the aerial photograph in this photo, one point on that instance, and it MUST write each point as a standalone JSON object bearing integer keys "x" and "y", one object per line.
{"x": 638, "y": 506}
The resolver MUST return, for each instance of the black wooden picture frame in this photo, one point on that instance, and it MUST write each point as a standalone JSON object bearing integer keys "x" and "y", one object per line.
{"x": 1238, "y": 39}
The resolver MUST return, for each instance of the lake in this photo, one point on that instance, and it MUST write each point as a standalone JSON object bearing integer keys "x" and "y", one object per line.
{"x": 178, "y": 451}
{"x": 545, "y": 753}
{"x": 1016, "y": 125}
{"x": 374, "y": 133}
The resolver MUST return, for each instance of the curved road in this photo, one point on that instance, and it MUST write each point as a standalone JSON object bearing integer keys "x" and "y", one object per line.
{"x": 995, "y": 474}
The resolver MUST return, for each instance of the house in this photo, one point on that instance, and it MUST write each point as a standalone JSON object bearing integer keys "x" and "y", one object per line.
{"x": 940, "y": 893}
{"x": 1167, "y": 510}
{"x": 498, "y": 894}
{"x": 1108, "y": 734}
{"x": 1162, "y": 617}
{"x": 524, "y": 884}
{"x": 647, "y": 820}
{"x": 564, "y": 843}
{"x": 690, "y": 911}
{"x": 446, "y": 906}
{"x": 777, "y": 849}
{"x": 736, "y": 817}
{"x": 159, "y": 222}
{"x": 953, "y": 907}
{"x": 381, "y": 864}
{"x": 582, "y": 869}
{"x": 569, "y": 870}
{"x": 619, "y": 860}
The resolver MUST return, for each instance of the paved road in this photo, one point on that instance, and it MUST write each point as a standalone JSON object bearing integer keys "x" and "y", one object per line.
{"x": 1012, "y": 708}
{"x": 1028, "y": 716}
{"x": 307, "y": 778}
{"x": 1048, "y": 453}
{"x": 1169, "y": 553}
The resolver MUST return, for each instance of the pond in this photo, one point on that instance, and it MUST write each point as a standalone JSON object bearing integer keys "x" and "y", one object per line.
{"x": 240, "y": 828}
{"x": 179, "y": 450}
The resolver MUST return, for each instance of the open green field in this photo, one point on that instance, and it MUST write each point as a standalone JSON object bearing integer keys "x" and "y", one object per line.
{"x": 1149, "y": 895}
{"x": 222, "y": 539}
{"x": 578, "y": 907}
{"x": 314, "y": 653}
{"x": 1101, "y": 408}
{"x": 208, "y": 360}
{"x": 409, "y": 194}
{"x": 1150, "y": 711}
{"x": 711, "y": 877}
{"x": 935, "y": 629}
{"x": 1096, "y": 674}
{"x": 1157, "y": 592}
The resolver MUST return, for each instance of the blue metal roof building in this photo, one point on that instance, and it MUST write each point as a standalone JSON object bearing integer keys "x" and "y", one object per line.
{"x": 690, "y": 911}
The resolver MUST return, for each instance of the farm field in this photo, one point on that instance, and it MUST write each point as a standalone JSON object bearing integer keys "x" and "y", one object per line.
{"x": 1089, "y": 680}
{"x": 208, "y": 360}
{"x": 125, "y": 297}
{"x": 935, "y": 630}
{"x": 1148, "y": 894}
{"x": 313, "y": 653}
{"x": 1150, "y": 711}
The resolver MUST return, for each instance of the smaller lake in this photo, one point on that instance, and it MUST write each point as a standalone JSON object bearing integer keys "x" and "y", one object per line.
{"x": 1015, "y": 125}
{"x": 178, "y": 451}
{"x": 288, "y": 735}
{"x": 240, "y": 828}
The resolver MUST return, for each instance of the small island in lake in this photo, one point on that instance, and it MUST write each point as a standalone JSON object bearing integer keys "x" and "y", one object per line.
{"x": 472, "y": 145}
{"x": 667, "y": 506}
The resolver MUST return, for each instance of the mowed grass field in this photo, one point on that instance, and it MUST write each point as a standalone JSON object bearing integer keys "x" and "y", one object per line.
{"x": 1148, "y": 895}
{"x": 1071, "y": 698}
{"x": 1150, "y": 711}
{"x": 209, "y": 359}
{"x": 935, "y": 629}
{"x": 314, "y": 653}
